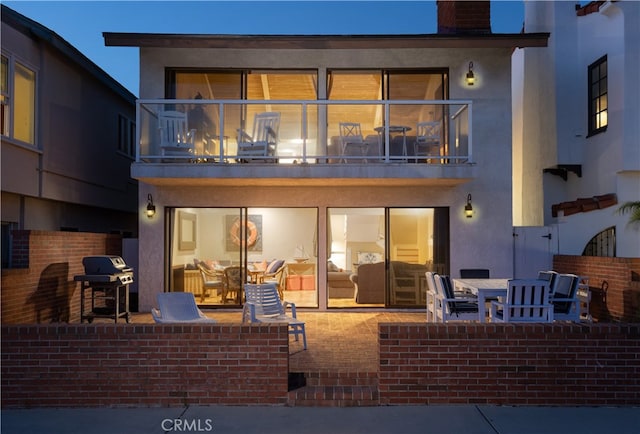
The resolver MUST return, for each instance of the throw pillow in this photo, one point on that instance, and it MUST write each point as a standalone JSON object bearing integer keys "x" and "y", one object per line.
{"x": 332, "y": 267}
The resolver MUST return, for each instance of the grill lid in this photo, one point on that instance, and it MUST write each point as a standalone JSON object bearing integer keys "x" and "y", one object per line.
{"x": 105, "y": 264}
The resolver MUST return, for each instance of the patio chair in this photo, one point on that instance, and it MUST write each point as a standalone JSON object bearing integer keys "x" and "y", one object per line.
{"x": 566, "y": 304}
{"x": 262, "y": 144}
{"x": 176, "y": 139}
{"x": 264, "y": 305}
{"x": 351, "y": 138}
{"x": 427, "y": 142}
{"x": 527, "y": 301}
{"x": 452, "y": 306}
{"x": 549, "y": 276}
{"x": 178, "y": 307}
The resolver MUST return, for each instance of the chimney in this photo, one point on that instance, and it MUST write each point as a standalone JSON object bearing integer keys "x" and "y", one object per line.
{"x": 464, "y": 17}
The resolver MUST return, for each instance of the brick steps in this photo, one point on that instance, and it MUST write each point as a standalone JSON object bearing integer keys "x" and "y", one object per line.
{"x": 334, "y": 389}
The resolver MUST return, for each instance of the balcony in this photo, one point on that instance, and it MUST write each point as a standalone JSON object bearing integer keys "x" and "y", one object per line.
{"x": 216, "y": 142}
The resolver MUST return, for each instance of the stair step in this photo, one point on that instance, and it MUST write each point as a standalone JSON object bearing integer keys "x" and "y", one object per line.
{"x": 334, "y": 389}
{"x": 334, "y": 396}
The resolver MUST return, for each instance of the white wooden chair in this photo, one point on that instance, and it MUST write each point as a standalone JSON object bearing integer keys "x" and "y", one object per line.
{"x": 452, "y": 306}
{"x": 427, "y": 139}
{"x": 262, "y": 144}
{"x": 263, "y": 304}
{"x": 176, "y": 307}
{"x": 351, "y": 138}
{"x": 176, "y": 139}
{"x": 566, "y": 304}
{"x": 527, "y": 301}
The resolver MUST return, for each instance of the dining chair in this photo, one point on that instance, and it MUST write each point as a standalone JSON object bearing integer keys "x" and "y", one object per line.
{"x": 451, "y": 306}
{"x": 526, "y": 301}
{"x": 427, "y": 139}
{"x": 351, "y": 138}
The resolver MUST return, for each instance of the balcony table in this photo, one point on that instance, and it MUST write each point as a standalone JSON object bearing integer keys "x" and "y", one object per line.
{"x": 483, "y": 289}
{"x": 394, "y": 129}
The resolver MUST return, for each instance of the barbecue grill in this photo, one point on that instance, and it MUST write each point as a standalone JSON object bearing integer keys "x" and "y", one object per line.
{"x": 106, "y": 284}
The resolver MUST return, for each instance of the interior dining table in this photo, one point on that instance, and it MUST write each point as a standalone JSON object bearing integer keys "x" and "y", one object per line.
{"x": 484, "y": 289}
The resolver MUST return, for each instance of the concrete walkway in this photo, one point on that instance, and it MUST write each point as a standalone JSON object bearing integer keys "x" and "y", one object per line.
{"x": 465, "y": 419}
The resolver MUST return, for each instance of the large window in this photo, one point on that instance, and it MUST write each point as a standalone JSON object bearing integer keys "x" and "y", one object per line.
{"x": 598, "y": 102}
{"x": 18, "y": 101}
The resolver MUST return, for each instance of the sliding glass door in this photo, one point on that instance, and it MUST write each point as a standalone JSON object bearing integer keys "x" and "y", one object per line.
{"x": 214, "y": 251}
{"x": 378, "y": 257}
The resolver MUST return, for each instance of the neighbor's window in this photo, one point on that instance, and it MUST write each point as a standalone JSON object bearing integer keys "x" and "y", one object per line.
{"x": 18, "y": 93}
{"x": 603, "y": 244}
{"x": 598, "y": 100}
{"x": 126, "y": 135}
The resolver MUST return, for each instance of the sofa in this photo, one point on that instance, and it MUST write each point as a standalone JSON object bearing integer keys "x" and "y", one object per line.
{"x": 340, "y": 285}
{"x": 369, "y": 283}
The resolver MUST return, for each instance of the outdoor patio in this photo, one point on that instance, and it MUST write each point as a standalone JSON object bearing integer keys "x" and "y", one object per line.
{"x": 338, "y": 342}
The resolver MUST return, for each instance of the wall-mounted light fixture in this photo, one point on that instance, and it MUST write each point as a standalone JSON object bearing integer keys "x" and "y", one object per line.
{"x": 468, "y": 209}
{"x": 471, "y": 79}
{"x": 151, "y": 208}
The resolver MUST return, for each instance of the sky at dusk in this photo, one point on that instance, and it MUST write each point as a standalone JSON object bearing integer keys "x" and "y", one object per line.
{"x": 82, "y": 23}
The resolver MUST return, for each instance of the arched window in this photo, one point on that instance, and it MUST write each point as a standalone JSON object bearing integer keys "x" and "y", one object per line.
{"x": 603, "y": 244}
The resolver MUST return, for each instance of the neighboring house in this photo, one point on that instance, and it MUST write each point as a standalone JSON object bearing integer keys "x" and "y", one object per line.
{"x": 356, "y": 220}
{"x": 68, "y": 132}
{"x": 577, "y": 126}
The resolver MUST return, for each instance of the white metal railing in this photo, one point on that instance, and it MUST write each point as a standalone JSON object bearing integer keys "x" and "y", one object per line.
{"x": 307, "y": 131}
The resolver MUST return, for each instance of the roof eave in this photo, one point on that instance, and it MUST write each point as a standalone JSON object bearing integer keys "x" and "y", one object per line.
{"x": 335, "y": 42}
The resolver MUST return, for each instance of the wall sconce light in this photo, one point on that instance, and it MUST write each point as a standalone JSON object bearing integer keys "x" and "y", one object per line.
{"x": 471, "y": 79}
{"x": 468, "y": 209}
{"x": 151, "y": 208}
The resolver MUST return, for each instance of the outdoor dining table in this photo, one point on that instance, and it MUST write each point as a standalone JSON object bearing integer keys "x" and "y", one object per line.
{"x": 393, "y": 129}
{"x": 484, "y": 289}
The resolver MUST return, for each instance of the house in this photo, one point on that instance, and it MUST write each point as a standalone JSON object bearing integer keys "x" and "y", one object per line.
{"x": 67, "y": 135}
{"x": 358, "y": 162}
{"x": 67, "y": 138}
{"x": 576, "y": 129}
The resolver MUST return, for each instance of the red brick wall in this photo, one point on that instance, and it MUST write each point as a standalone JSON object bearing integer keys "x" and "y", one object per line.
{"x": 614, "y": 283}
{"x": 42, "y": 289}
{"x": 111, "y": 365}
{"x": 508, "y": 364}
{"x": 464, "y": 17}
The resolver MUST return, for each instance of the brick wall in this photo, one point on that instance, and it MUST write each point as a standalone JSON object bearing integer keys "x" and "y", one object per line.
{"x": 614, "y": 283}
{"x": 109, "y": 365}
{"x": 41, "y": 289}
{"x": 464, "y": 17}
{"x": 507, "y": 364}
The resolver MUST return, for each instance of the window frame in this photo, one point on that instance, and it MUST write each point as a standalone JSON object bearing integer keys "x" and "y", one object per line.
{"x": 594, "y": 103}
{"x": 9, "y": 112}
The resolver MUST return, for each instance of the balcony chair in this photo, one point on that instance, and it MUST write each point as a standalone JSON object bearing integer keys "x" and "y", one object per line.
{"x": 526, "y": 301}
{"x": 427, "y": 142}
{"x": 264, "y": 305}
{"x": 176, "y": 139}
{"x": 211, "y": 279}
{"x": 351, "y": 138}
{"x": 453, "y": 306}
{"x": 566, "y": 304}
{"x": 177, "y": 307}
{"x": 262, "y": 144}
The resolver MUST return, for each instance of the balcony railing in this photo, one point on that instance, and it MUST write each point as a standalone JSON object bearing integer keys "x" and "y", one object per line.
{"x": 209, "y": 131}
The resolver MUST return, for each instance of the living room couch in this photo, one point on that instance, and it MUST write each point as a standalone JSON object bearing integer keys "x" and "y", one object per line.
{"x": 369, "y": 283}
